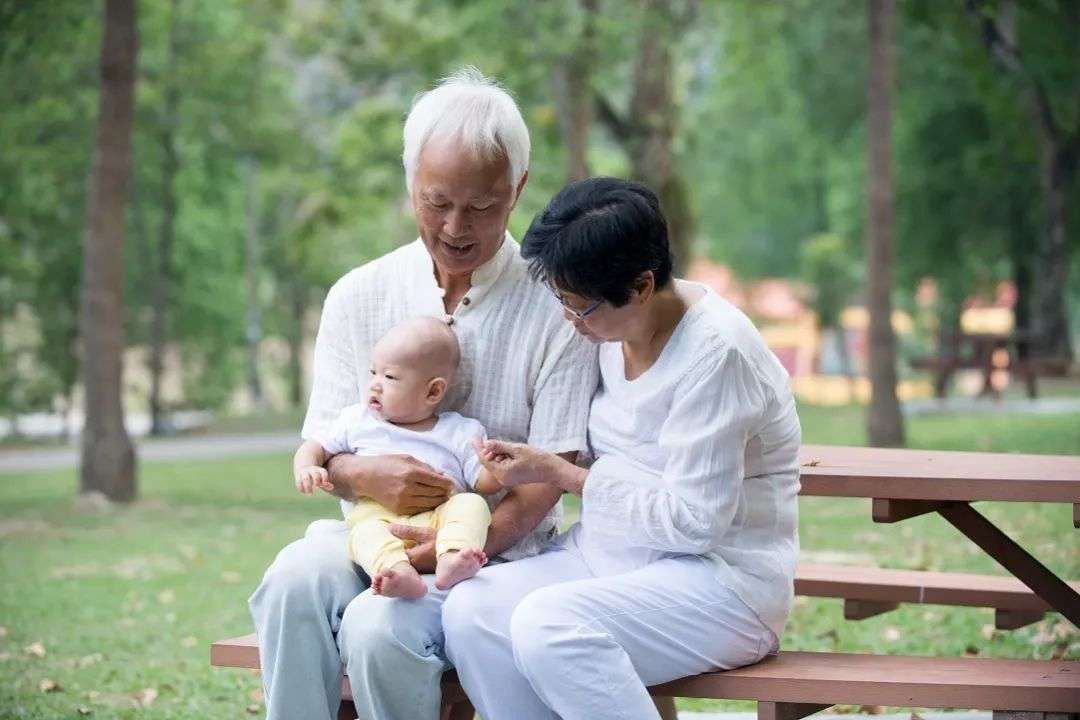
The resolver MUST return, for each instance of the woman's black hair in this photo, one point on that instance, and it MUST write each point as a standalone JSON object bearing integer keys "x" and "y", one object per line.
{"x": 596, "y": 237}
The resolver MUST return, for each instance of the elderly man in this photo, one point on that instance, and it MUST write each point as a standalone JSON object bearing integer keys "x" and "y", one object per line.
{"x": 524, "y": 374}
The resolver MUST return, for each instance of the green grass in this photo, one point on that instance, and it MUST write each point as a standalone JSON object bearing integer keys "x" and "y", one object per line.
{"x": 130, "y": 599}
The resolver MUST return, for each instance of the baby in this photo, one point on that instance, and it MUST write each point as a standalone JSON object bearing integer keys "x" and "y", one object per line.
{"x": 411, "y": 368}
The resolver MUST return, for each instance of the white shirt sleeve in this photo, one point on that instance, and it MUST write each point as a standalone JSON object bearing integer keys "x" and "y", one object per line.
{"x": 717, "y": 405}
{"x": 563, "y": 393}
{"x": 470, "y": 462}
{"x": 334, "y": 437}
{"x": 335, "y": 381}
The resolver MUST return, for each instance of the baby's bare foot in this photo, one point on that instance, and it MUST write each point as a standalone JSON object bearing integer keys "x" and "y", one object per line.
{"x": 399, "y": 581}
{"x": 453, "y": 567}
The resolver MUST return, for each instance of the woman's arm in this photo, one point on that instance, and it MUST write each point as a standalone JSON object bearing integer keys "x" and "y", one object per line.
{"x": 715, "y": 410}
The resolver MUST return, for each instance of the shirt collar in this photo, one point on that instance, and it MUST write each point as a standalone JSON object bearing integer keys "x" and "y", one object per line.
{"x": 484, "y": 277}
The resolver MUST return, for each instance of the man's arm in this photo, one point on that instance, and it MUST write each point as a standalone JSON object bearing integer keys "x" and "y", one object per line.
{"x": 400, "y": 483}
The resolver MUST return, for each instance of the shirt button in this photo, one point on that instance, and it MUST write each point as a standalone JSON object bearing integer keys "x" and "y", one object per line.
{"x": 465, "y": 301}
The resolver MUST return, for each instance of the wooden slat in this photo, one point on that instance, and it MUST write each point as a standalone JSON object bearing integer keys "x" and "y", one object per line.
{"x": 916, "y": 586}
{"x": 834, "y": 470}
{"x": 834, "y": 678}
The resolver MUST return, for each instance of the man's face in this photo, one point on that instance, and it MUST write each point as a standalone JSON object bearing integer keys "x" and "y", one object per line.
{"x": 462, "y": 205}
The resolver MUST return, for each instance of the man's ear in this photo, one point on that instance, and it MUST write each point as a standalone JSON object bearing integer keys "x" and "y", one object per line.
{"x": 436, "y": 390}
{"x": 520, "y": 187}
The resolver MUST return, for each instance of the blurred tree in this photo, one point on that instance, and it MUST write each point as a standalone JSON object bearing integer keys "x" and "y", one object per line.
{"x": 829, "y": 268}
{"x": 885, "y": 426}
{"x": 1046, "y": 66}
{"x": 108, "y": 457}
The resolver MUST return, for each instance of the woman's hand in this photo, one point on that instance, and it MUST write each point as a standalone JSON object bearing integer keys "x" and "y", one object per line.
{"x": 513, "y": 464}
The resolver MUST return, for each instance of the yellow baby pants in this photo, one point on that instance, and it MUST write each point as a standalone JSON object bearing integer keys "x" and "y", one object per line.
{"x": 461, "y": 522}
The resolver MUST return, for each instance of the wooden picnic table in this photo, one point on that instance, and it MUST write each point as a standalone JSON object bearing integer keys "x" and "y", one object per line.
{"x": 906, "y": 483}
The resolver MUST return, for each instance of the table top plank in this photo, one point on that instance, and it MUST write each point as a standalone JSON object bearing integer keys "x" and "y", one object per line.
{"x": 840, "y": 471}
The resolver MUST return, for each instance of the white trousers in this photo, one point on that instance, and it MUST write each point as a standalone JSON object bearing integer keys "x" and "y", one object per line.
{"x": 544, "y": 637}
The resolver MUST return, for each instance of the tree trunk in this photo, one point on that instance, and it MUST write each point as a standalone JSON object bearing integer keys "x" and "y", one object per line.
{"x": 1059, "y": 153}
{"x": 252, "y": 265}
{"x": 161, "y": 291}
{"x": 574, "y": 95}
{"x": 885, "y": 425}
{"x": 108, "y": 457}
{"x": 648, "y": 131}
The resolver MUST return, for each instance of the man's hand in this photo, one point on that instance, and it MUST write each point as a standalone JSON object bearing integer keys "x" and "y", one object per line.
{"x": 400, "y": 483}
{"x": 419, "y": 545}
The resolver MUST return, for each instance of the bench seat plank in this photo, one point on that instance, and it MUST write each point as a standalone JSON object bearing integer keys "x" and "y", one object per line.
{"x": 834, "y": 470}
{"x": 832, "y": 678}
{"x": 917, "y": 586}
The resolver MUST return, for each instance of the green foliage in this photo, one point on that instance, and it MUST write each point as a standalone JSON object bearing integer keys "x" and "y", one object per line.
{"x": 828, "y": 266}
{"x": 289, "y": 121}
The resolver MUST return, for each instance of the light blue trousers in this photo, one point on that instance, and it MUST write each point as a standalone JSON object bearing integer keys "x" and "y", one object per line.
{"x": 315, "y": 616}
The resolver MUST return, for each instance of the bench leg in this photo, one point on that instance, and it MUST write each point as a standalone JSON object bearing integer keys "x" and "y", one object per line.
{"x": 788, "y": 710}
{"x": 666, "y": 707}
{"x": 461, "y": 710}
{"x": 1015, "y": 619}
{"x": 862, "y": 609}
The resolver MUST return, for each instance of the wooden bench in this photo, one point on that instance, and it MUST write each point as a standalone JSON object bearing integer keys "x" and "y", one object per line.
{"x": 793, "y": 685}
{"x": 870, "y": 591}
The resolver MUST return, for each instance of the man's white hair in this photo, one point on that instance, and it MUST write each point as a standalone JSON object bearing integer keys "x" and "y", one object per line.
{"x": 473, "y": 110}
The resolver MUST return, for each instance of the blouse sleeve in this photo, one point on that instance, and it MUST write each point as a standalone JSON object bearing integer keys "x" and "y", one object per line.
{"x": 716, "y": 407}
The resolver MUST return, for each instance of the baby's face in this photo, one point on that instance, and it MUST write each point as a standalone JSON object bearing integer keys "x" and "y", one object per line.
{"x": 397, "y": 387}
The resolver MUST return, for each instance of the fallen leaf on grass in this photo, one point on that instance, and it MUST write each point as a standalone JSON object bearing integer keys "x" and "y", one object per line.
{"x": 231, "y": 576}
{"x": 166, "y": 596}
{"x": 37, "y": 649}
{"x": 83, "y": 710}
{"x": 892, "y": 634}
{"x": 146, "y": 697}
{"x": 48, "y": 686}
{"x": 254, "y": 709}
{"x": 88, "y": 660}
{"x": 188, "y": 642}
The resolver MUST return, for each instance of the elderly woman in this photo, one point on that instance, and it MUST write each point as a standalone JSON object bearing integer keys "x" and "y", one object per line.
{"x": 684, "y": 557}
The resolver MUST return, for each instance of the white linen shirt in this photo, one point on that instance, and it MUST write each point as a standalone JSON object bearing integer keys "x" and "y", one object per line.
{"x": 525, "y": 374}
{"x": 698, "y": 456}
{"x": 446, "y": 446}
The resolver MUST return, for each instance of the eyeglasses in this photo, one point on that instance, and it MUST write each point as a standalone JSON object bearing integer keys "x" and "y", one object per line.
{"x": 580, "y": 315}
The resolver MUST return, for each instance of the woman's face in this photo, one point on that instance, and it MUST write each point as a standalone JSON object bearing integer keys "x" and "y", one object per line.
{"x": 601, "y": 323}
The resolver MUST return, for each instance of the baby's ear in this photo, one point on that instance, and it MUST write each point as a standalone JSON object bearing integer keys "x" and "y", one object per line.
{"x": 436, "y": 390}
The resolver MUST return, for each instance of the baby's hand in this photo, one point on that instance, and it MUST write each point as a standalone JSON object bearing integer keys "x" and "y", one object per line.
{"x": 311, "y": 477}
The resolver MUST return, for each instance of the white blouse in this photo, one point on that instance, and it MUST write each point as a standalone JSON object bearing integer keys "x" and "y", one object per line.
{"x": 698, "y": 455}
{"x": 525, "y": 374}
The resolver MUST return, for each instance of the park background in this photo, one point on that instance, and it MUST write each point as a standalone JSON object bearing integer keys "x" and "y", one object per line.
{"x": 265, "y": 142}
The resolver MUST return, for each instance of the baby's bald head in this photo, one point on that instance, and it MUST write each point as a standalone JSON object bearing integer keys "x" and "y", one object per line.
{"x": 425, "y": 343}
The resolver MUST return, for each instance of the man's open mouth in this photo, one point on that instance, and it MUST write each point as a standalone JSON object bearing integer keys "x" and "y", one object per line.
{"x": 458, "y": 250}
